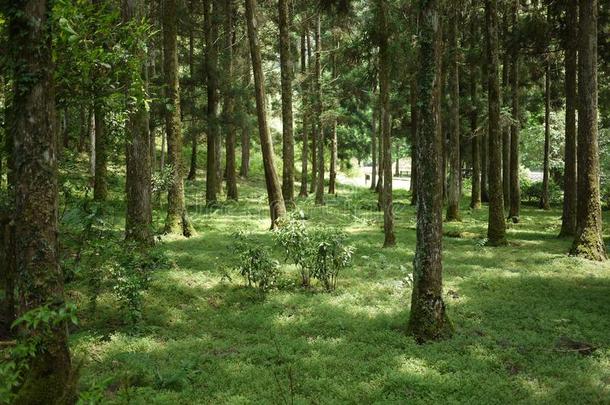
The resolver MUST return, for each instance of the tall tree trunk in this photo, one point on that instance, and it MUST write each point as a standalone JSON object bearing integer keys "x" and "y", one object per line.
{"x": 305, "y": 115}
{"x": 177, "y": 221}
{"x": 428, "y": 319}
{"x": 515, "y": 164}
{"x": 380, "y": 161}
{"x": 91, "y": 130}
{"x": 35, "y": 191}
{"x": 287, "y": 115}
{"x": 414, "y": 139}
{"x": 544, "y": 200}
{"x": 453, "y": 195}
{"x": 496, "y": 232}
{"x": 332, "y": 180}
{"x": 374, "y": 139}
{"x": 138, "y": 223}
{"x": 568, "y": 223}
{"x": 475, "y": 200}
{"x": 589, "y": 242}
{"x": 229, "y": 103}
{"x": 191, "y": 60}
{"x": 485, "y": 139}
{"x": 211, "y": 12}
{"x": 82, "y": 128}
{"x": 384, "y": 105}
{"x": 314, "y": 124}
{"x": 244, "y": 167}
{"x": 100, "y": 177}
{"x": 318, "y": 114}
{"x": 274, "y": 191}
{"x": 505, "y": 129}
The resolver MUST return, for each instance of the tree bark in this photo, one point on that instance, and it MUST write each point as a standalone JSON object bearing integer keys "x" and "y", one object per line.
{"x": 229, "y": 104}
{"x": 570, "y": 199}
{"x": 414, "y": 139}
{"x": 544, "y": 200}
{"x": 453, "y": 194}
{"x": 314, "y": 124}
{"x": 384, "y": 105}
{"x": 318, "y": 113}
{"x": 177, "y": 221}
{"x": 100, "y": 177}
{"x": 428, "y": 319}
{"x": 39, "y": 279}
{"x": 274, "y": 192}
{"x": 475, "y": 200}
{"x": 515, "y": 160}
{"x": 305, "y": 115}
{"x": 287, "y": 113}
{"x": 496, "y": 232}
{"x": 505, "y": 129}
{"x": 244, "y": 168}
{"x": 211, "y": 12}
{"x": 589, "y": 242}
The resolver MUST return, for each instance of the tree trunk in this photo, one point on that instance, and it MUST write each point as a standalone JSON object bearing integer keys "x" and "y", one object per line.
{"x": 453, "y": 194}
{"x": 589, "y": 242}
{"x": 428, "y": 319}
{"x": 374, "y": 139}
{"x": 138, "y": 223}
{"x": 229, "y": 103}
{"x": 177, "y": 221}
{"x": 485, "y": 139}
{"x": 191, "y": 62}
{"x": 314, "y": 125}
{"x": 274, "y": 192}
{"x": 568, "y": 223}
{"x": 475, "y": 200}
{"x": 384, "y": 105}
{"x": 244, "y": 168}
{"x": 211, "y": 12}
{"x": 332, "y": 181}
{"x": 318, "y": 114}
{"x": 380, "y": 161}
{"x": 305, "y": 116}
{"x": 496, "y": 232}
{"x": 414, "y": 141}
{"x": 100, "y": 177}
{"x": 544, "y": 200}
{"x": 39, "y": 281}
{"x": 287, "y": 115}
{"x": 91, "y": 130}
{"x": 515, "y": 164}
{"x": 505, "y": 130}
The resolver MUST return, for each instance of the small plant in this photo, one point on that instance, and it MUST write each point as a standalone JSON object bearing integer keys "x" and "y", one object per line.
{"x": 255, "y": 263}
{"x": 293, "y": 238}
{"x": 330, "y": 256}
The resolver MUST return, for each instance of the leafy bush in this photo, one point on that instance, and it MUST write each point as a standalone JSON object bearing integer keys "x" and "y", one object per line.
{"x": 532, "y": 192}
{"x": 255, "y": 263}
{"x": 292, "y": 237}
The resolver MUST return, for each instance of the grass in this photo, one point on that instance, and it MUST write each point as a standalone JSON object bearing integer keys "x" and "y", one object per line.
{"x": 203, "y": 339}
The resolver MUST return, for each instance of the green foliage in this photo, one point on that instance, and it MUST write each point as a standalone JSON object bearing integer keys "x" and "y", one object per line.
{"x": 293, "y": 238}
{"x": 255, "y": 263}
{"x": 532, "y": 191}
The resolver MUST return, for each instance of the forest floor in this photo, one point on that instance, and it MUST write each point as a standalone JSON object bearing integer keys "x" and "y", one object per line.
{"x": 518, "y": 312}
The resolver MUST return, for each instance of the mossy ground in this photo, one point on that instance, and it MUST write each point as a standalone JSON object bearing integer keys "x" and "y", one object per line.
{"x": 203, "y": 339}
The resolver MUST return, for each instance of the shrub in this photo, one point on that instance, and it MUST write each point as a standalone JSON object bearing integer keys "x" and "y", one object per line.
{"x": 532, "y": 192}
{"x": 255, "y": 263}
{"x": 292, "y": 237}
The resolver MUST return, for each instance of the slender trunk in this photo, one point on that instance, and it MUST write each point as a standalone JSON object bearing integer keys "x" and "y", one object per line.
{"x": 191, "y": 60}
{"x": 428, "y": 319}
{"x": 475, "y": 201}
{"x": 314, "y": 124}
{"x": 274, "y": 192}
{"x": 229, "y": 103}
{"x": 138, "y": 223}
{"x": 305, "y": 116}
{"x": 380, "y": 161}
{"x": 244, "y": 168}
{"x": 163, "y": 149}
{"x": 177, "y": 221}
{"x": 485, "y": 140}
{"x": 287, "y": 114}
{"x": 213, "y": 136}
{"x": 496, "y": 232}
{"x": 589, "y": 242}
{"x": 100, "y": 181}
{"x": 374, "y": 139}
{"x": 39, "y": 278}
{"x": 453, "y": 206}
{"x": 505, "y": 131}
{"x": 91, "y": 130}
{"x": 414, "y": 141}
{"x": 318, "y": 114}
{"x": 332, "y": 182}
{"x": 544, "y": 200}
{"x": 568, "y": 223}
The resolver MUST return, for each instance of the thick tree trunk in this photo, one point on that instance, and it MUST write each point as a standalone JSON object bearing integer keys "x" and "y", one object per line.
{"x": 568, "y": 223}
{"x": 177, "y": 221}
{"x": 384, "y": 105}
{"x": 305, "y": 116}
{"x": 287, "y": 114}
{"x": 589, "y": 242}
{"x": 318, "y": 114}
{"x": 34, "y": 187}
{"x": 496, "y": 232}
{"x": 428, "y": 319}
{"x": 274, "y": 191}
{"x": 453, "y": 194}
{"x": 515, "y": 161}
{"x": 229, "y": 104}
{"x": 138, "y": 223}
{"x": 100, "y": 177}
{"x": 544, "y": 200}
{"x": 211, "y": 12}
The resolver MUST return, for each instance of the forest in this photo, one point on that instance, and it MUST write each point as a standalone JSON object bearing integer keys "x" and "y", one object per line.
{"x": 304, "y": 201}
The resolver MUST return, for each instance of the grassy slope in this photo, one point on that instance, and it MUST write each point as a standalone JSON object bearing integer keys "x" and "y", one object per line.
{"x": 203, "y": 340}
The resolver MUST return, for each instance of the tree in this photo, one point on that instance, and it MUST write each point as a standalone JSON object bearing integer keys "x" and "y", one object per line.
{"x": 274, "y": 192}
{"x": 544, "y": 200}
{"x": 305, "y": 114}
{"x": 414, "y": 141}
{"x": 213, "y": 178}
{"x": 177, "y": 220}
{"x": 34, "y": 188}
{"x": 138, "y": 223}
{"x": 384, "y": 105}
{"x": 589, "y": 242}
{"x": 287, "y": 116}
{"x": 515, "y": 160}
{"x": 229, "y": 102}
{"x": 496, "y": 232}
{"x": 318, "y": 112}
{"x": 428, "y": 319}
{"x": 568, "y": 223}
{"x": 453, "y": 206}
{"x": 374, "y": 140}
{"x": 475, "y": 200}
{"x": 99, "y": 155}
